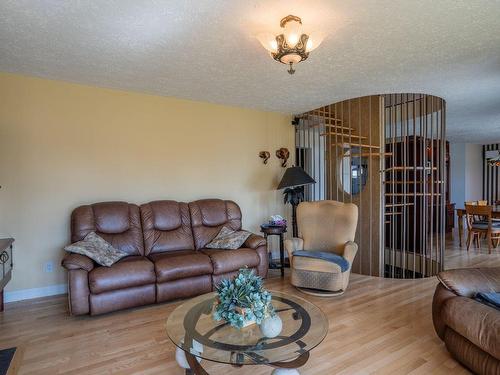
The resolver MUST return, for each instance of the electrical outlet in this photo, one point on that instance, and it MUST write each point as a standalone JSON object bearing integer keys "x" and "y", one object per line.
{"x": 49, "y": 266}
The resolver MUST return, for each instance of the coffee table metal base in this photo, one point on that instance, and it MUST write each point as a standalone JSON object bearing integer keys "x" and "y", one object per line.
{"x": 197, "y": 369}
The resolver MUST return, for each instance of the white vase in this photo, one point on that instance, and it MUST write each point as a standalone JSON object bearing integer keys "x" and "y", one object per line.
{"x": 285, "y": 371}
{"x": 271, "y": 326}
{"x": 180, "y": 355}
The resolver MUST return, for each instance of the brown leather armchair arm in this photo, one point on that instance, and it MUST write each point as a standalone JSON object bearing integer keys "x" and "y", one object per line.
{"x": 475, "y": 321}
{"x": 78, "y": 267}
{"x": 441, "y": 295}
{"x": 254, "y": 241}
{"x": 470, "y": 281}
{"x": 77, "y": 262}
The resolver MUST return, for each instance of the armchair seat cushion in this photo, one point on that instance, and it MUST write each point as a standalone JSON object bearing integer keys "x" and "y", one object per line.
{"x": 128, "y": 272}
{"x": 225, "y": 261}
{"x": 316, "y": 265}
{"x": 324, "y": 256}
{"x": 174, "y": 265}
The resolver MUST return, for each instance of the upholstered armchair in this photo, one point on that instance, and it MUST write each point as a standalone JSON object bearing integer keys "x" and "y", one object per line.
{"x": 322, "y": 256}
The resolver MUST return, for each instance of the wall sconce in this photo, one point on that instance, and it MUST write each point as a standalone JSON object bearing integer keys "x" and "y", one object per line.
{"x": 283, "y": 154}
{"x": 265, "y": 155}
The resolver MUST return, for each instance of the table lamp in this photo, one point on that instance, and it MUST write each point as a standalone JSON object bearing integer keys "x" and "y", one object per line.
{"x": 293, "y": 182}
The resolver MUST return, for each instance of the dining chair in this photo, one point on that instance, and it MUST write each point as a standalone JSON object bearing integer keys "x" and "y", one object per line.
{"x": 472, "y": 203}
{"x": 485, "y": 227}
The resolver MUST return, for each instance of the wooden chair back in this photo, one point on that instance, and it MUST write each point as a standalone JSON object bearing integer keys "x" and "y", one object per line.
{"x": 470, "y": 203}
{"x": 482, "y": 203}
{"x": 473, "y": 211}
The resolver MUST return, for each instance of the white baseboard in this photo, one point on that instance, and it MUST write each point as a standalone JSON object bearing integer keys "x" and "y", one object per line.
{"x": 20, "y": 295}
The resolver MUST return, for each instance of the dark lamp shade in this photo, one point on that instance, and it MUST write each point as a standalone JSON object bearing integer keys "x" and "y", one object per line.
{"x": 295, "y": 176}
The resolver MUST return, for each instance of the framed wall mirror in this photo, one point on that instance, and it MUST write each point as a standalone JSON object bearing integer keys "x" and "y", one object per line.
{"x": 353, "y": 170}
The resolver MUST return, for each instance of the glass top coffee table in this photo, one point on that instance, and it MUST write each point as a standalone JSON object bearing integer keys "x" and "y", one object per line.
{"x": 192, "y": 329}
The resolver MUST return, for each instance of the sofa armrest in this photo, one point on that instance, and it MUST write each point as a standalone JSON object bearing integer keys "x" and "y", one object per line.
{"x": 468, "y": 282}
{"x": 441, "y": 295}
{"x": 254, "y": 241}
{"x": 478, "y": 323}
{"x": 73, "y": 261}
{"x": 350, "y": 251}
{"x": 293, "y": 245}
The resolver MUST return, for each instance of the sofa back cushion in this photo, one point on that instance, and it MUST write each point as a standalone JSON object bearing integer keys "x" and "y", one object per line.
{"x": 166, "y": 226}
{"x": 208, "y": 216}
{"x": 119, "y": 223}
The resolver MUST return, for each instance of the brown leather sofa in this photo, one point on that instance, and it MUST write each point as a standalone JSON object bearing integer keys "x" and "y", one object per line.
{"x": 470, "y": 329}
{"x": 167, "y": 258}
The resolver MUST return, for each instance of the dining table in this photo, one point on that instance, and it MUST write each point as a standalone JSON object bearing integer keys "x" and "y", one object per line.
{"x": 495, "y": 213}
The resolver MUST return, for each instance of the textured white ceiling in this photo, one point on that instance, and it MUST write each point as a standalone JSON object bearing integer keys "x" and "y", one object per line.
{"x": 206, "y": 50}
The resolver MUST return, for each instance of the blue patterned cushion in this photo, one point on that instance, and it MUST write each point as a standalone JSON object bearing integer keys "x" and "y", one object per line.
{"x": 492, "y": 299}
{"x": 484, "y": 225}
{"x": 324, "y": 255}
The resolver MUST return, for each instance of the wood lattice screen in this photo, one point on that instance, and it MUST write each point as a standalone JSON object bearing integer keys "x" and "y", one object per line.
{"x": 491, "y": 177}
{"x": 386, "y": 154}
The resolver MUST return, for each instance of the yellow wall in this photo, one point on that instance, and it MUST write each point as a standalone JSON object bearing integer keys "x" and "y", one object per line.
{"x": 62, "y": 145}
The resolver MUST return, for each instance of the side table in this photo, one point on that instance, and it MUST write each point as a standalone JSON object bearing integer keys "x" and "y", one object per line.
{"x": 6, "y": 265}
{"x": 276, "y": 230}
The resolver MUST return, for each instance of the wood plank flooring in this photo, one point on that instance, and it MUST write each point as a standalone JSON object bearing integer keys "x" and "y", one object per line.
{"x": 380, "y": 326}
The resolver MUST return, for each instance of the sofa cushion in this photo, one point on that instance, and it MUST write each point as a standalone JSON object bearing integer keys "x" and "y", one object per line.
{"x": 316, "y": 265}
{"x": 228, "y": 239}
{"x": 180, "y": 264}
{"x": 166, "y": 226}
{"x": 225, "y": 261}
{"x": 97, "y": 249}
{"x": 119, "y": 223}
{"x": 208, "y": 216}
{"x": 128, "y": 272}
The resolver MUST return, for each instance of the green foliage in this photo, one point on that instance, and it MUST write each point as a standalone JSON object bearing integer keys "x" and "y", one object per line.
{"x": 293, "y": 195}
{"x": 245, "y": 291}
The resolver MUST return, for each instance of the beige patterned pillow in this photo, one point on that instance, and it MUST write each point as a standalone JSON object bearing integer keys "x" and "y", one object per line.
{"x": 97, "y": 249}
{"x": 228, "y": 239}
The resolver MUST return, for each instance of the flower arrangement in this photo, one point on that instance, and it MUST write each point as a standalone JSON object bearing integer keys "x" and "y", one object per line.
{"x": 242, "y": 301}
{"x": 277, "y": 220}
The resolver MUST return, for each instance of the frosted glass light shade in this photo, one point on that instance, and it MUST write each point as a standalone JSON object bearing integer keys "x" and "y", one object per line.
{"x": 314, "y": 41}
{"x": 292, "y": 32}
{"x": 268, "y": 41}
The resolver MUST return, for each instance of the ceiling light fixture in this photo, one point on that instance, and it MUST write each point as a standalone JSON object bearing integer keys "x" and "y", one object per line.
{"x": 292, "y": 45}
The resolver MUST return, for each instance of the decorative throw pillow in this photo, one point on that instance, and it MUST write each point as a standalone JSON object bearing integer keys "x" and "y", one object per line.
{"x": 97, "y": 249}
{"x": 228, "y": 239}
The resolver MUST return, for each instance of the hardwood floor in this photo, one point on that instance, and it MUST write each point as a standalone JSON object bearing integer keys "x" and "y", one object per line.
{"x": 380, "y": 326}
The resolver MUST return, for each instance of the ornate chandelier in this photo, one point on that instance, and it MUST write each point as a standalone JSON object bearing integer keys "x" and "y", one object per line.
{"x": 292, "y": 45}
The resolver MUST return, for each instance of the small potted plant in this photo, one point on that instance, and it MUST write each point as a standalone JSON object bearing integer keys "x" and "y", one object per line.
{"x": 242, "y": 301}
